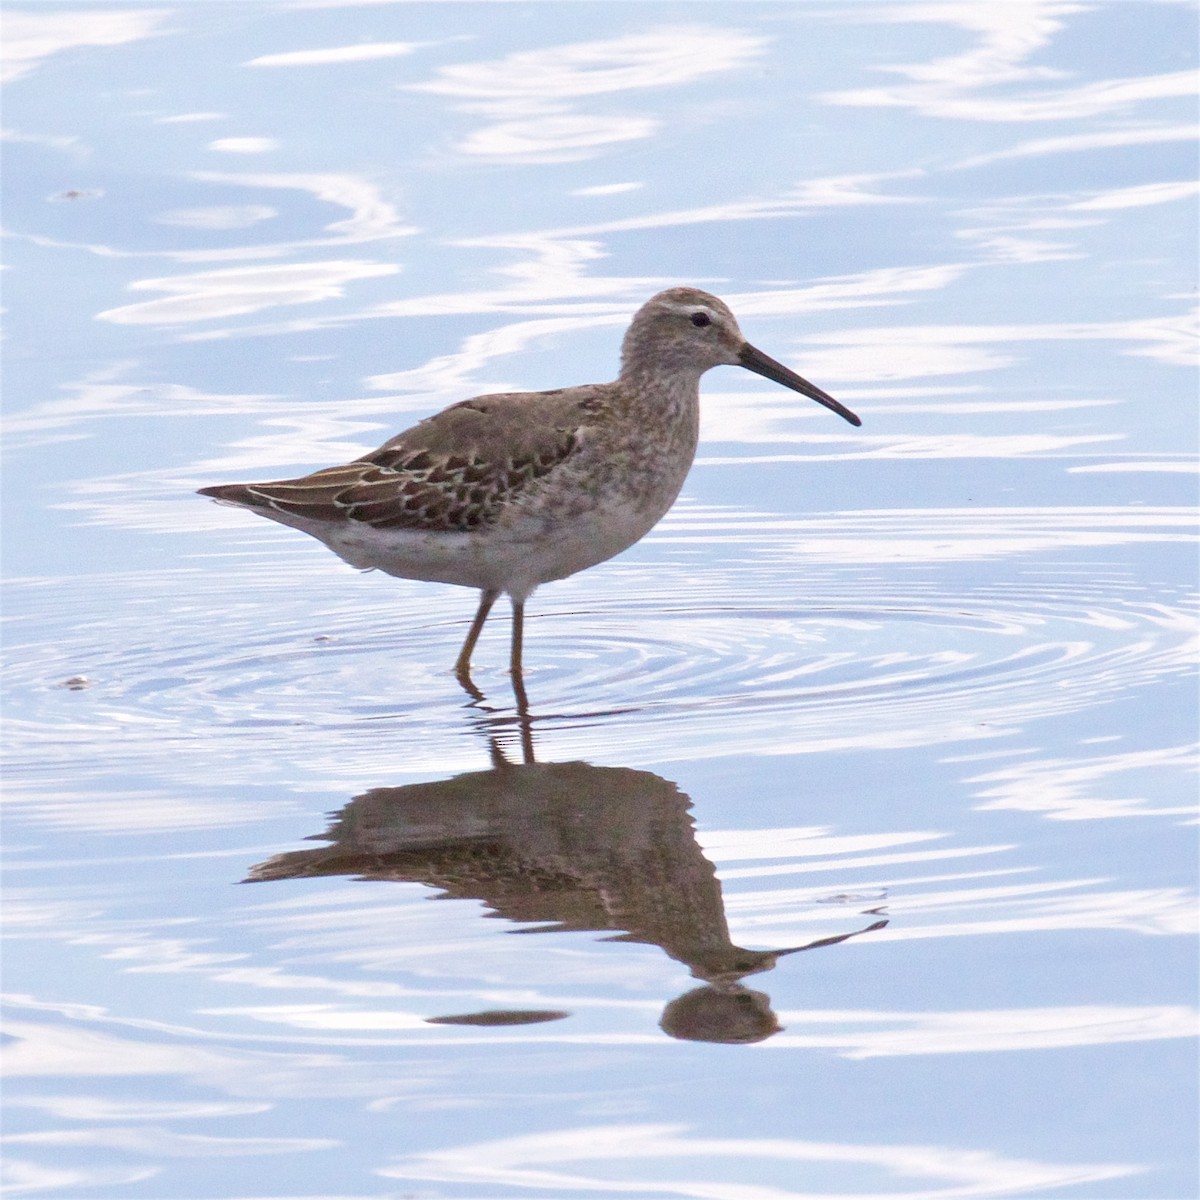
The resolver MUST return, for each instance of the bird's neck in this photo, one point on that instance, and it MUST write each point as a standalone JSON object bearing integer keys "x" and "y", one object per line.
{"x": 649, "y": 379}
{"x": 653, "y": 397}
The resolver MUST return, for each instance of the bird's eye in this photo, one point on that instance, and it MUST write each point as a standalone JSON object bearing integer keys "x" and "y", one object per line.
{"x": 700, "y": 319}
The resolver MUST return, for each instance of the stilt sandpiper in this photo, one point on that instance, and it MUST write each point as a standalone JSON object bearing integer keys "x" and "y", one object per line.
{"x": 506, "y": 492}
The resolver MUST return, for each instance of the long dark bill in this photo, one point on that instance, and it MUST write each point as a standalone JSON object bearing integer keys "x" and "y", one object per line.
{"x": 756, "y": 361}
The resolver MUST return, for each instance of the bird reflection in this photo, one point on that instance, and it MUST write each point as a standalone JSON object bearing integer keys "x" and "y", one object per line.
{"x": 562, "y": 846}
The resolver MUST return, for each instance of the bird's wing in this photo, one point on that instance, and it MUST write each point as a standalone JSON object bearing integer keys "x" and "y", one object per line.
{"x": 453, "y": 471}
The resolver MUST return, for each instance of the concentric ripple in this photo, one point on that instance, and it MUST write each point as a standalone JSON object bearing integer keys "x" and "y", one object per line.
{"x": 861, "y": 664}
{"x": 754, "y": 649}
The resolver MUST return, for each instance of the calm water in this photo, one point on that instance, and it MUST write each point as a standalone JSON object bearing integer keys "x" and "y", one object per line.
{"x": 848, "y": 848}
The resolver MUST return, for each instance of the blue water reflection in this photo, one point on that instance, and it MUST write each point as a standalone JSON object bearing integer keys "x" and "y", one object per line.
{"x": 936, "y": 673}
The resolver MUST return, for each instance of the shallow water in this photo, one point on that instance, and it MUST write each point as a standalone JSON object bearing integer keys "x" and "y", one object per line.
{"x": 847, "y": 847}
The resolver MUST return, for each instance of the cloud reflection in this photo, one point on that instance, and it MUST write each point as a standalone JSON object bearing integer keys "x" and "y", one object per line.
{"x": 827, "y": 191}
{"x": 244, "y": 145}
{"x": 68, "y": 143}
{"x": 162, "y": 1143}
{"x": 1185, "y": 465}
{"x": 941, "y": 534}
{"x": 238, "y": 291}
{"x": 32, "y": 37}
{"x": 22, "y": 1177}
{"x": 188, "y": 118}
{"x": 126, "y": 1108}
{"x": 656, "y": 58}
{"x": 1079, "y": 789}
{"x": 1008, "y": 36}
{"x": 360, "y": 52}
{"x": 530, "y": 95}
{"x": 554, "y": 138}
{"x": 1075, "y": 143}
{"x": 225, "y": 216}
{"x": 107, "y": 393}
{"x": 1140, "y": 195}
{"x": 679, "y": 1163}
{"x": 907, "y": 351}
{"x": 606, "y": 189}
{"x": 83, "y": 1048}
{"x": 988, "y": 1032}
{"x": 372, "y": 215}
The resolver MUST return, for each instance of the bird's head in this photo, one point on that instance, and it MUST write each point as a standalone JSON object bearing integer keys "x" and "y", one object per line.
{"x": 685, "y": 330}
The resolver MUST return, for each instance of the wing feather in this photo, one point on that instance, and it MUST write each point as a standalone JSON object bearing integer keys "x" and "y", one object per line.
{"x": 453, "y": 471}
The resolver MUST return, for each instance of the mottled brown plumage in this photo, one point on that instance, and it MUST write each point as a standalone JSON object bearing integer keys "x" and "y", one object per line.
{"x": 443, "y": 474}
{"x": 508, "y": 491}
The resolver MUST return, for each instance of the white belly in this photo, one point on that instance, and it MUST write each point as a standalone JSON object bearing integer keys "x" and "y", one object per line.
{"x": 576, "y": 519}
{"x": 513, "y": 556}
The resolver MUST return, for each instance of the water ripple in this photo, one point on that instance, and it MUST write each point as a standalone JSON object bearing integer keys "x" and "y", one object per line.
{"x": 759, "y": 655}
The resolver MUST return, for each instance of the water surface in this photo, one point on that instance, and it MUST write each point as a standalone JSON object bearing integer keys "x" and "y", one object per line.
{"x": 847, "y": 847}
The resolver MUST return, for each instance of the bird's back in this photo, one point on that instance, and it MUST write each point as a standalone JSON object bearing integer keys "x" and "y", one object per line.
{"x": 454, "y": 471}
{"x": 500, "y": 492}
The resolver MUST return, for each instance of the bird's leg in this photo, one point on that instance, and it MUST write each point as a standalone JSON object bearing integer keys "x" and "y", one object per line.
{"x": 518, "y": 638}
{"x": 518, "y": 679}
{"x": 462, "y": 664}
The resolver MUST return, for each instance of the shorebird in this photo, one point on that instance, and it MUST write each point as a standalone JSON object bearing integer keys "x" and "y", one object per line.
{"x": 505, "y": 492}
